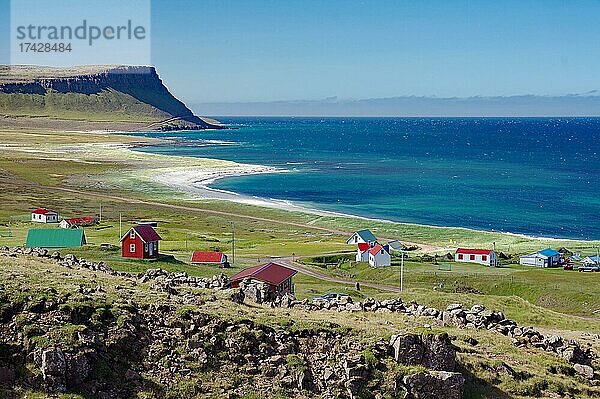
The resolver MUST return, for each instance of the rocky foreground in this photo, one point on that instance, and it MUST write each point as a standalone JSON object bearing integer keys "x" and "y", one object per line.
{"x": 148, "y": 334}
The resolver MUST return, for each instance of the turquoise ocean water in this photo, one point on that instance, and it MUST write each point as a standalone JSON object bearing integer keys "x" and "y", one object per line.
{"x": 534, "y": 176}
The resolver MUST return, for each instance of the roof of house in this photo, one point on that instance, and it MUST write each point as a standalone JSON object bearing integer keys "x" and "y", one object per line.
{"x": 364, "y": 235}
{"x": 82, "y": 220}
{"x": 146, "y": 233}
{"x": 376, "y": 249}
{"x": 208, "y": 257}
{"x": 471, "y": 251}
{"x": 43, "y": 211}
{"x": 594, "y": 258}
{"x": 549, "y": 252}
{"x": 364, "y": 246}
{"x": 55, "y": 238}
{"x": 271, "y": 273}
{"x": 397, "y": 245}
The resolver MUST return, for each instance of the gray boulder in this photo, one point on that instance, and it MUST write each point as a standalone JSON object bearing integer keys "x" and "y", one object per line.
{"x": 435, "y": 384}
{"x": 434, "y": 351}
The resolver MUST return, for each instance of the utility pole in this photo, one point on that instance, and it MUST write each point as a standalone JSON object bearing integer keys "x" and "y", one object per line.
{"x": 232, "y": 243}
{"x": 101, "y": 212}
{"x": 402, "y": 271}
{"x": 120, "y": 226}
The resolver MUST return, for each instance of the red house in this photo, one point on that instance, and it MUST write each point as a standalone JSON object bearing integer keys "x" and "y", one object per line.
{"x": 140, "y": 242}
{"x": 279, "y": 278}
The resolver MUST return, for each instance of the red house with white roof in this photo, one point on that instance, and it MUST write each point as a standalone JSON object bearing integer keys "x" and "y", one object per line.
{"x": 278, "y": 277}
{"x": 43, "y": 215}
{"x": 140, "y": 242}
{"x": 485, "y": 257}
{"x": 209, "y": 258}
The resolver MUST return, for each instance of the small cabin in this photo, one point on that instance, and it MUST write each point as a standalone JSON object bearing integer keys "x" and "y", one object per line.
{"x": 44, "y": 215}
{"x": 485, "y": 257}
{"x": 276, "y": 276}
{"x": 209, "y": 258}
{"x": 140, "y": 242}
{"x": 379, "y": 255}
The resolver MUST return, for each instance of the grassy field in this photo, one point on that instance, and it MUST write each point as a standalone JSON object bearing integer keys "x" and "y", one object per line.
{"x": 34, "y": 164}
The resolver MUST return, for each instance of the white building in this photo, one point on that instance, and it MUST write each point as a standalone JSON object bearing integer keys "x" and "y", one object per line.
{"x": 43, "y": 215}
{"x": 485, "y": 257}
{"x": 362, "y": 252}
{"x": 362, "y": 237}
{"x": 546, "y": 258}
{"x": 591, "y": 260}
{"x": 380, "y": 256}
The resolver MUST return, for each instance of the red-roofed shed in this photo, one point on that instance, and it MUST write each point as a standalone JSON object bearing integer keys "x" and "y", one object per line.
{"x": 278, "y": 277}
{"x": 209, "y": 258}
{"x": 140, "y": 242}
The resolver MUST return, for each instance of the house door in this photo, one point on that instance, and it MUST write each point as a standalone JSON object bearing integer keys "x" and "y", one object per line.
{"x": 150, "y": 248}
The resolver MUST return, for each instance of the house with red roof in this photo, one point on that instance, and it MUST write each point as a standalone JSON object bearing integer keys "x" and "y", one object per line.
{"x": 210, "y": 258}
{"x": 362, "y": 252}
{"x": 485, "y": 257}
{"x": 140, "y": 242}
{"x": 278, "y": 277}
{"x": 74, "y": 223}
{"x": 44, "y": 215}
{"x": 379, "y": 255}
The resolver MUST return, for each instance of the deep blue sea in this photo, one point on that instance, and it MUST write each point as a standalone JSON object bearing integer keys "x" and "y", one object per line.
{"x": 534, "y": 176}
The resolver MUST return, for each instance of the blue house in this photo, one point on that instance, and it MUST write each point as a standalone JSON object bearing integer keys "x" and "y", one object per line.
{"x": 545, "y": 258}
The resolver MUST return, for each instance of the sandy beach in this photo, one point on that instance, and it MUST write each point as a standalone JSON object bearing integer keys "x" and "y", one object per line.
{"x": 196, "y": 182}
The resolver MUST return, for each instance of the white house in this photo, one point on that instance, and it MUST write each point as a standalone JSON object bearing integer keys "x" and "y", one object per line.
{"x": 362, "y": 252}
{"x": 379, "y": 256}
{"x": 485, "y": 257}
{"x": 546, "y": 258}
{"x": 591, "y": 260}
{"x": 43, "y": 215}
{"x": 362, "y": 237}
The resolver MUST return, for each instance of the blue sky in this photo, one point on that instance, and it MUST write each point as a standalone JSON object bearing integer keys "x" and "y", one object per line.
{"x": 213, "y": 51}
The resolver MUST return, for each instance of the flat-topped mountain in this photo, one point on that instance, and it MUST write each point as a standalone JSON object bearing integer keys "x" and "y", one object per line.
{"x": 94, "y": 97}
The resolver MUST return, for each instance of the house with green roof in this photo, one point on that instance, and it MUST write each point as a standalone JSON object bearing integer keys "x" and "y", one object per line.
{"x": 55, "y": 238}
{"x": 362, "y": 237}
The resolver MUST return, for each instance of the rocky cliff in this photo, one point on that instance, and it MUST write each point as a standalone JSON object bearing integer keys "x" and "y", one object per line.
{"x": 98, "y": 93}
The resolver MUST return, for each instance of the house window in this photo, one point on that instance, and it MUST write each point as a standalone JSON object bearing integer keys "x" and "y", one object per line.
{"x": 132, "y": 248}
{"x": 472, "y": 257}
{"x": 132, "y": 234}
{"x": 155, "y": 245}
{"x": 146, "y": 247}
{"x": 460, "y": 256}
{"x": 484, "y": 258}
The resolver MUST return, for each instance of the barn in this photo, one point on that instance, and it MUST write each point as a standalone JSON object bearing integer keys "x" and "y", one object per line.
{"x": 485, "y": 257}
{"x": 278, "y": 277}
{"x": 209, "y": 258}
{"x": 140, "y": 242}
{"x": 44, "y": 215}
